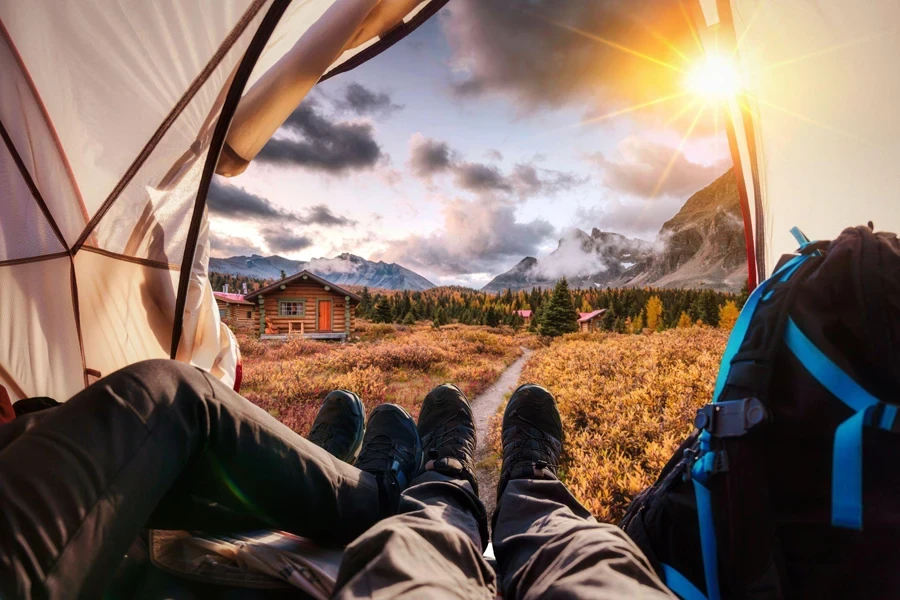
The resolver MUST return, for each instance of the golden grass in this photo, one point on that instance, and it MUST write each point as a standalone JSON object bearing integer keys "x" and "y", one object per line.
{"x": 627, "y": 402}
{"x": 389, "y": 363}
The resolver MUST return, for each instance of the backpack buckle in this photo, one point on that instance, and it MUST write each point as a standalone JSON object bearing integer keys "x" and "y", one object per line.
{"x": 733, "y": 418}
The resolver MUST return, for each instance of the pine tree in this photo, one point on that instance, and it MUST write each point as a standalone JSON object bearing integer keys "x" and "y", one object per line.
{"x": 365, "y": 301}
{"x": 382, "y": 311}
{"x": 637, "y": 326}
{"x": 559, "y": 316}
{"x": 697, "y": 311}
{"x": 684, "y": 321}
{"x": 654, "y": 313}
{"x": 439, "y": 319}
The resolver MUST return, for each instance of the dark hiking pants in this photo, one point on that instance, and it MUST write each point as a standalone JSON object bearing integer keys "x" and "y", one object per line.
{"x": 547, "y": 546}
{"x": 163, "y": 445}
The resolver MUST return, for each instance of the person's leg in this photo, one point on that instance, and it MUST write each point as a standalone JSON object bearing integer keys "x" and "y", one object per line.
{"x": 433, "y": 548}
{"x": 163, "y": 445}
{"x": 546, "y": 543}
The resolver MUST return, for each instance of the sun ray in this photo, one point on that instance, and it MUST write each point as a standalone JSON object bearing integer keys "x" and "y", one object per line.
{"x": 609, "y": 43}
{"x": 632, "y": 108}
{"x": 800, "y": 117}
{"x": 683, "y": 110}
{"x": 828, "y": 50}
{"x": 661, "y": 38}
{"x": 740, "y": 40}
{"x": 668, "y": 169}
{"x": 690, "y": 23}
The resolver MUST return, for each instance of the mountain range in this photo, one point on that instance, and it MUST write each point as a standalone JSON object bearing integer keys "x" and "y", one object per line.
{"x": 701, "y": 246}
{"x": 343, "y": 269}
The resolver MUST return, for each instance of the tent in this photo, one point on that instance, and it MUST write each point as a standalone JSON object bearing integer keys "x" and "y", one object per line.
{"x": 814, "y": 132}
{"x": 112, "y": 118}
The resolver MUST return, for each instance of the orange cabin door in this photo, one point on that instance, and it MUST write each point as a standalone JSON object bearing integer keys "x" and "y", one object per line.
{"x": 324, "y": 315}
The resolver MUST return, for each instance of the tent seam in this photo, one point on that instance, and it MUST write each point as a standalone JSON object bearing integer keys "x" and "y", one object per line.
{"x": 147, "y": 262}
{"x": 164, "y": 127}
{"x": 47, "y": 121}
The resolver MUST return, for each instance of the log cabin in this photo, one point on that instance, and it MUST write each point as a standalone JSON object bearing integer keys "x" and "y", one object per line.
{"x": 590, "y": 321}
{"x": 234, "y": 310}
{"x": 304, "y": 304}
{"x": 526, "y": 316}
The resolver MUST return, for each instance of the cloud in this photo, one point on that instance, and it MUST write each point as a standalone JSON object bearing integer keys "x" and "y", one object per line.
{"x": 312, "y": 141}
{"x": 430, "y": 157}
{"x": 646, "y": 168}
{"x": 633, "y": 217}
{"x": 476, "y": 237}
{"x": 223, "y": 246}
{"x": 550, "y": 53}
{"x": 362, "y": 101}
{"x": 280, "y": 238}
{"x": 231, "y": 202}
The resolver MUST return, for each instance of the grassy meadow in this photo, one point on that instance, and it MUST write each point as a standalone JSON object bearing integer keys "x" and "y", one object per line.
{"x": 385, "y": 363}
{"x": 627, "y": 402}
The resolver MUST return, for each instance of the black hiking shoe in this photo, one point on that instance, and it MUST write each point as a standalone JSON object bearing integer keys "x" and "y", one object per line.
{"x": 340, "y": 425}
{"x": 447, "y": 427}
{"x": 532, "y": 436}
{"x": 392, "y": 451}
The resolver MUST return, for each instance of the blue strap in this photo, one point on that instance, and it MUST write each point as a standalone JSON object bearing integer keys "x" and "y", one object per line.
{"x": 888, "y": 417}
{"x": 700, "y": 472}
{"x": 681, "y": 585}
{"x": 846, "y": 474}
{"x": 743, "y": 323}
{"x": 831, "y": 376}
{"x": 799, "y": 236}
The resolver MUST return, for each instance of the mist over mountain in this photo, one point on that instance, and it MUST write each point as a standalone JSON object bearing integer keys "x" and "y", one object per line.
{"x": 701, "y": 246}
{"x": 343, "y": 269}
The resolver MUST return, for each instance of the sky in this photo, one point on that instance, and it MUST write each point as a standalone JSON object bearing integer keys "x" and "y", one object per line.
{"x": 481, "y": 138}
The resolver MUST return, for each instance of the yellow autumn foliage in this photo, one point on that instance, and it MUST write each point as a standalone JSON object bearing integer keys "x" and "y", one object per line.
{"x": 626, "y": 402}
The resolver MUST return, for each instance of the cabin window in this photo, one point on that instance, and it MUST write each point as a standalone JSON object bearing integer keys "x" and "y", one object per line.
{"x": 290, "y": 308}
{"x": 221, "y": 313}
{"x": 249, "y": 314}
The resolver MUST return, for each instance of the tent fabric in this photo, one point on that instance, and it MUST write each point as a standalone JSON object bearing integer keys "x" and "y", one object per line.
{"x": 112, "y": 116}
{"x": 815, "y": 134}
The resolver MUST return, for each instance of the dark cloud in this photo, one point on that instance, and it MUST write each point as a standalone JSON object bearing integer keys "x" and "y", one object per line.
{"x": 320, "y": 214}
{"x": 223, "y": 246}
{"x": 648, "y": 169}
{"x": 280, "y": 238}
{"x": 476, "y": 237}
{"x": 478, "y": 177}
{"x": 233, "y": 202}
{"x": 362, "y": 101}
{"x": 314, "y": 142}
{"x": 532, "y": 51}
{"x": 429, "y": 157}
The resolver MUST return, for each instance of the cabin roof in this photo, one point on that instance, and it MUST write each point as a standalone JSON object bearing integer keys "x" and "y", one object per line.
{"x": 524, "y": 313}
{"x": 585, "y": 317}
{"x": 274, "y": 287}
{"x": 231, "y": 298}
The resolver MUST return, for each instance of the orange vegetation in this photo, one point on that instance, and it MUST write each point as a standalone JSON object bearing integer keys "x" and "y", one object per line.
{"x": 627, "y": 402}
{"x": 388, "y": 363}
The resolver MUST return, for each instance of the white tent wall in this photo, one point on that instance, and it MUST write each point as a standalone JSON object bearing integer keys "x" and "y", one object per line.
{"x": 112, "y": 122}
{"x": 818, "y": 125}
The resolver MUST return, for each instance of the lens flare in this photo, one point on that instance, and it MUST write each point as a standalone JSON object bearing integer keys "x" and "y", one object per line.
{"x": 714, "y": 79}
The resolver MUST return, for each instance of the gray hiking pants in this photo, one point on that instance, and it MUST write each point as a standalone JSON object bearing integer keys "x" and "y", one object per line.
{"x": 163, "y": 445}
{"x": 547, "y": 546}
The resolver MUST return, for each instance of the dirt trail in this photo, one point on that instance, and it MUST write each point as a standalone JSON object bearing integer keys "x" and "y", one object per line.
{"x": 484, "y": 407}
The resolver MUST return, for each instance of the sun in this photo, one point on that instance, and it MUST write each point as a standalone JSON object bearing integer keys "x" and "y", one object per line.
{"x": 714, "y": 79}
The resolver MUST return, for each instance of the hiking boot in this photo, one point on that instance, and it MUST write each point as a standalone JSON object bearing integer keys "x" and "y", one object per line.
{"x": 340, "y": 425}
{"x": 532, "y": 436}
{"x": 447, "y": 427}
{"x": 391, "y": 450}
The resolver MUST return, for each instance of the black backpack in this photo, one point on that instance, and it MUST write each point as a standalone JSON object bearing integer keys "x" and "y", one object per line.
{"x": 789, "y": 486}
